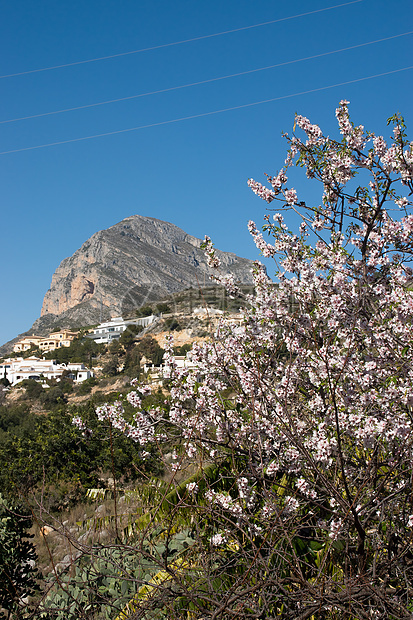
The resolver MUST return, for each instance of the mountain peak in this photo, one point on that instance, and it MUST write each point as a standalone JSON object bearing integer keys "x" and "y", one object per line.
{"x": 136, "y": 261}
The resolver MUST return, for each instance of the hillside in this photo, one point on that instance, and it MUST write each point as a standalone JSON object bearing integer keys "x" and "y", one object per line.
{"x": 137, "y": 261}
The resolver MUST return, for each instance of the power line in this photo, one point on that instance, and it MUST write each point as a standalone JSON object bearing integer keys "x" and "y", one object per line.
{"x": 223, "y": 77}
{"x": 157, "y": 47}
{"x": 193, "y": 116}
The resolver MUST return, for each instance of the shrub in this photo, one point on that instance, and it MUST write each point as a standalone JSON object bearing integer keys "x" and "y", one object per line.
{"x": 144, "y": 311}
{"x": 111, "y": 367}
{"x": 172, "y": 324}
{"x": 33, "y": 389}
{"x": 17, "y": 559}
{"x": 163, "y": 308}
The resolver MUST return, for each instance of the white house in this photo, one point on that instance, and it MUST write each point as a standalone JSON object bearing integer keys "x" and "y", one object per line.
{"x": 80, "y": 372}
{"x": 112, "y": 330}
{"x": 17, "y": 369}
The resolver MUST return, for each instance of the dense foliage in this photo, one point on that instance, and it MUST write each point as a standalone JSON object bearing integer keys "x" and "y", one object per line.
{"x": 81, "y": 350}
{"x": 17, "y": 560}
{"x": 46, "y": 450}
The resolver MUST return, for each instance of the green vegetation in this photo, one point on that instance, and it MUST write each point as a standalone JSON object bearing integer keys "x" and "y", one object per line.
{"x": 17, "y": 559}
{"x": 82, "y": 350}
{"x": 163, "y": 308}
{"x": 86, "y": 386}
{"x": 172, "y": 324}
{"x": 48, "y": 449}
{"x": 144, "y": 311}
{"x": 128, "y": 337}
{"x": 110, "y": 369}
{"x": 147, "y": 347}
{"x": 182, "y": 350}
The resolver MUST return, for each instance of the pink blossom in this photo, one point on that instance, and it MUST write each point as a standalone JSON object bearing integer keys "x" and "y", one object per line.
{"x": 290, "y": 196}
{"x": 262, "y": 191}
{"x": 217, "y": 540}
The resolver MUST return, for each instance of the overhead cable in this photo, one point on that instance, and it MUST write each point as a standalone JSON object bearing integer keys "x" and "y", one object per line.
{"x": 163, "y": 45}
{"x": 216, "y": 79}
{"x": 203, "y": 114}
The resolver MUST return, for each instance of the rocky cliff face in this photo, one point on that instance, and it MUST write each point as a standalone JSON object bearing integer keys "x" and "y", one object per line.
{"x": 132, "y": 263}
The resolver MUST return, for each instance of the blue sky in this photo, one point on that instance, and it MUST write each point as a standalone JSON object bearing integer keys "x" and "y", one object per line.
{"x": 191, "y": 172}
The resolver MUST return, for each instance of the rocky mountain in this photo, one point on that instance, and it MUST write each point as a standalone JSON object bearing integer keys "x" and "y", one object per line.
{"x": 137, "y": 261}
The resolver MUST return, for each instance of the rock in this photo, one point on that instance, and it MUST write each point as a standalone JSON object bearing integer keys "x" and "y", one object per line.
{"x": 133, "y": 262}
{"x": 67, "y": 560}
{"x": 83, "y": 538}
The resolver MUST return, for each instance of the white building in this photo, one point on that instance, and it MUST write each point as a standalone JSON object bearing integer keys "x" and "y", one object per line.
{"x": 112, "y": 330}
{"x": 80, "y": 372}
{"x": 17, "y": 369}
{"x": 207, "y": 313}
{"x": 157, "y": 374}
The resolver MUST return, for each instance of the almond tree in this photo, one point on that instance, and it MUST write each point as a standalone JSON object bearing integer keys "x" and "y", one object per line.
{"x": 304, "y": 408}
